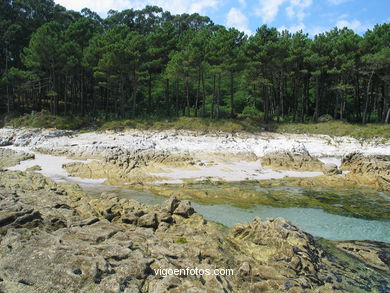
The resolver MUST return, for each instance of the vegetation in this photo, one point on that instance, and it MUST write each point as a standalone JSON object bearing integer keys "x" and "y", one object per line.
{"x": 363, "y": 203}
{"x": 181, "y": 240}
{"x": 202, "y": 125}
{"x": 151, "y": 65}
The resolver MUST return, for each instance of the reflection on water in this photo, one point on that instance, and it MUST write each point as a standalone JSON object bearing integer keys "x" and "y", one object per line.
{"x": 314, "y": 221}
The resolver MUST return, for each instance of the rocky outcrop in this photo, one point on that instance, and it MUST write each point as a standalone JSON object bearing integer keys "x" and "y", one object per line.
{"x": 9, "y": 157}
{"x": 55, "y": 238}
{"x": 367, "y": 164}
{"x": 298, "y": 158}
{"x": 120, "y": 166}
{"x": 372, "y": 168}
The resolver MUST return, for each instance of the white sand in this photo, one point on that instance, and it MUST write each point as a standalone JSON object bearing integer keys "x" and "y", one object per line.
{"x": 327, "y": 149}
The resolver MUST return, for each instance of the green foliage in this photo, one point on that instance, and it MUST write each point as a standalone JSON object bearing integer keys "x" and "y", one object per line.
{"x": 181, "y": 240}
{"x": 336, "y": 128}
{"x": 147, "y": 63}
{"x": 46, "y": 120}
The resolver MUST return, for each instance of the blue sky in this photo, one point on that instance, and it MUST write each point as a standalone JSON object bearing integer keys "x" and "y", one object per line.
{"x": 312, "y": 16}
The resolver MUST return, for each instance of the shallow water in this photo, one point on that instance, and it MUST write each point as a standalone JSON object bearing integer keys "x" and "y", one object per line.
{"x": 314, "y": 221}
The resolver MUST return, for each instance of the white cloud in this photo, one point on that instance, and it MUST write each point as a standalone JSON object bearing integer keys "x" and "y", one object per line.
{"x": 269, "y": 9}
{"x": 315, "y": 30}
{"x": 100, "y": 7}
{"x": 293, "y": 28}
{"x": 235, "y": 18}
{"x": 174, "y": 6}
{"x": 354, "y": 24}
{"x": 296, "y": 9}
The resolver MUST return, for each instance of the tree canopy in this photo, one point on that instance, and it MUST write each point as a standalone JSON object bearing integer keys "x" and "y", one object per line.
{"x": 150, "y": 63}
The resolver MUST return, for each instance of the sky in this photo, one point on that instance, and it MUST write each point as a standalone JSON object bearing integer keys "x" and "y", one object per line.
{"x": 311, "y": 16}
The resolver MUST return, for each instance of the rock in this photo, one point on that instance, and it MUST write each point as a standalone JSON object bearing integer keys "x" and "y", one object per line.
{"x": 367, "y": 164}
{"x": 65, "y": 243}
{"x": 9, "y": 157}
{"x": 373, "y": 254}
{"x": 296, "y": 159}
{"x": 148, "y": 221}
{"x": 34, "y": 168}
{"x": 6, "y": 140}
{"x": 171, "y": 204}
{"x": 331, "y": 169}
{"x": 184, "y": 209}
{"x": 375, "y": 169}
{"x": 244, "y": 270}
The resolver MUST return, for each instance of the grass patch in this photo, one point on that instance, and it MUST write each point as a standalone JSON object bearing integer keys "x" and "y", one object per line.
{"x": 45, "y": 120}
{"x": 183, "y": 123}
{"x": 181, "y": 240}
{"x": 332, "y": 128}
{"x": 206, "y": 125}
{"x": 336, "y": 128}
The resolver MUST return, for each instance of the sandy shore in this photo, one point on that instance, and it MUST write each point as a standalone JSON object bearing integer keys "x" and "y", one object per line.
{"x": 219, "y": 156}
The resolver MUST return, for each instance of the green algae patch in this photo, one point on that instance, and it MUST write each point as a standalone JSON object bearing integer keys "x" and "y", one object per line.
{"x": 358, "y": 203}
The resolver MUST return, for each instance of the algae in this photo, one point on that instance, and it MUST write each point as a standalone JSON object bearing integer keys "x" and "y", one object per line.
{"x": 359, "y": 203}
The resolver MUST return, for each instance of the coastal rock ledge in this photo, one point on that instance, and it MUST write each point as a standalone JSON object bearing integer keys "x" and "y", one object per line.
{"x": 55, "y": 238}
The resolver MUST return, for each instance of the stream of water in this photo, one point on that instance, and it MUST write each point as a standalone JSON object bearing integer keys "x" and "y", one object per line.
{"x": 315, "y": 221}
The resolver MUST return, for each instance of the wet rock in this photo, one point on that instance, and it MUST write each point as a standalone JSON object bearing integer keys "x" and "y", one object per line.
{"x": 373, "y": 254}
{"x": 34, "y": 168}
{"x": 184, "y": 209}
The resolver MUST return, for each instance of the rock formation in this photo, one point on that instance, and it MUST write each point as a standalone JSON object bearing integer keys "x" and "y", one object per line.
{"x": 55, "y": 238}
{"x": 297, "y": 158}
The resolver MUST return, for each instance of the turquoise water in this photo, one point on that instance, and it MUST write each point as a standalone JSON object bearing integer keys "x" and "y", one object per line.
{"x": 314, "y": 221}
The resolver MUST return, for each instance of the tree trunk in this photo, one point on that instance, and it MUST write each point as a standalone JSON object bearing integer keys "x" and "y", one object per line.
{"x": 213, "y": 101}
{"x": 203, "y": 98}
{"x": 218, "y": 97}
{"x": 303, "y": 100}
{"x": 266, "y": 104}
{"x": 318, "y": 97}
{"x": 231, "y": 94}
{"x": 367, "y": 98}
{"x": 385, "y": 104}
{"x": 197, "y": 94}
{"x": 134, "y": 95}
{"x": 167, "y": 99}
{"x": 177, "y": 97}
{"x": 187, "y": 96}
{"x": 150, "y": 94}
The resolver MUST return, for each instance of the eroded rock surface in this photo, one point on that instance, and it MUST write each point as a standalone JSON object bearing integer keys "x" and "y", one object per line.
{"x": 298, "y": 158}
{"x": 55, "y": 238}
{"x": 9, "y": 157}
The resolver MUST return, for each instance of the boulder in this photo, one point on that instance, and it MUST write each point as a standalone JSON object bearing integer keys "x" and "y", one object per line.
{"x": 184, "y": 209}
{"x": 297, "y": 158}
{"x": 148, "y": 221}
{"x": 331, "y": 169}
{"x": 170, "y": 204}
